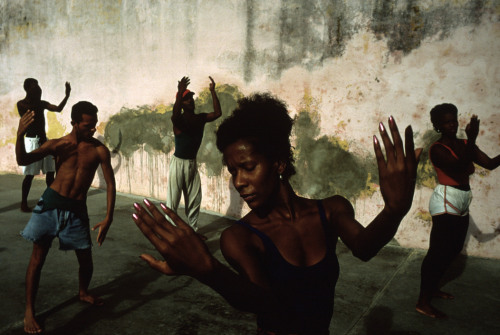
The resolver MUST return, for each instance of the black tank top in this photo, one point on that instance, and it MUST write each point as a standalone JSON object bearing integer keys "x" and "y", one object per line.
{"x": 310, "y": 289}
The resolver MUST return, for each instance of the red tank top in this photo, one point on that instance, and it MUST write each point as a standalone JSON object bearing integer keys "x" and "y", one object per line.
{"x": 443, "y": 178}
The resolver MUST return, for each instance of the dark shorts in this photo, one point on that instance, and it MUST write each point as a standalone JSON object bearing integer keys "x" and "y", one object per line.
{"x": 71, "y": 228}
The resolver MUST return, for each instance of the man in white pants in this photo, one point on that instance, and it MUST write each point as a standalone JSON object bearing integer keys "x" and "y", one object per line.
{"x": 36, "y": 136}
{"x": 183, "y": 176}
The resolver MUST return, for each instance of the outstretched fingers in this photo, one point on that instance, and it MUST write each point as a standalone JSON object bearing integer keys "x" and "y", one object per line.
{"x": 398, "y": 143}
{"x": 412, "y": 156}
{"x": 389, "y": 147}
{"x": 382, "y": 166}
{"x": 175, "y": 218}
{"x": 149, "y": 228}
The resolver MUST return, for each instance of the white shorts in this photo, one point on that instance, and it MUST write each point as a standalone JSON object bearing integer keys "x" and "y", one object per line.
{"x": 47, "y": 164}
{"x": 449, "y": 200}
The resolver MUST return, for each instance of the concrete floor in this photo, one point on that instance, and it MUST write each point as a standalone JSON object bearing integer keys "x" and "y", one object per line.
{"x": 377, "y": 297}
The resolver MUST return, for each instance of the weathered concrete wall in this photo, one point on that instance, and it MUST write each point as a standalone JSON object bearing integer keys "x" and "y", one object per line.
{"x": 342, "y": 67}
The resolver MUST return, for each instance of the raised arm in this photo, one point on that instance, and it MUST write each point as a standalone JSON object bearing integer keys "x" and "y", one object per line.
{"x": 109, "y": 177}
{"x": 397, "y": 176}
{"x": 60, "y": 107}
{"x": 216, "y": 104}
{"x": 449, "y": 163}
{"x": 479, "y": 157}
{"x": 483, "y": 160}
{"x": 176, "y": 111}
{"x": 185, "y": 253}
{"x": 22, "y": 157}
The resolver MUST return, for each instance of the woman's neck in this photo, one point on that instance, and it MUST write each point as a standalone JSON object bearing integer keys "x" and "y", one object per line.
{"x": 283, "y": 203}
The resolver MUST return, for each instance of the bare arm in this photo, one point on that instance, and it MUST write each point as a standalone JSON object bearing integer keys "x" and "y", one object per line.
{"x": 176, "y": 111}
{"x": 186, "y": 254}
{"x": 483, "y": 160}
{"x": 397, "y": 175}
{"x": 22, "y": 157}
{"x": 60, "y": 107}
{"x": 479, "y": 157}
{"x": 216, "y": 104}
{"x": 109, "y": 177}
{"x": 456, "y": 167}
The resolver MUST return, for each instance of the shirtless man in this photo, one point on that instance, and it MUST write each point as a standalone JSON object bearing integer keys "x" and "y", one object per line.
{"x": 36, "y": 136}
{"x": 62, "y": 210}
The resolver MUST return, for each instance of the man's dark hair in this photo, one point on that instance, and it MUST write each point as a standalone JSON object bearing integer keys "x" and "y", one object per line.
{"x": 28, "y": 82}
{"x": 263, "y": 120}
{"x": 80, "y": 108}
{"x": 439, "y": 111}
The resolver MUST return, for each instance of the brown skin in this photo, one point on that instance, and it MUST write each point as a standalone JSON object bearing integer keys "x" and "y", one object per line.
{"x": 33, "y": 102}
{"x": 459, "y": 170}
{"x": 192, "y": 121}
{"x": 78, "y": 155}
{"x": 292, "y": 222}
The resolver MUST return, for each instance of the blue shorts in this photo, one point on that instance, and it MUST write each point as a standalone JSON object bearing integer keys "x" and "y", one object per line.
{"x": 73, "y": 231}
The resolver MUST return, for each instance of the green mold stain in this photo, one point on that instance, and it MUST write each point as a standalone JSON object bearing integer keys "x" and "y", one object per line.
{"x": 324, "y": 165}
{"x": 144, "y": 126}
{"x": 150, "y": 128}
{"x": 426, "y": 176}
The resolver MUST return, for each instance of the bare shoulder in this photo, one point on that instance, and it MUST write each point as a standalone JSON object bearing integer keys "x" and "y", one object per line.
{"x": 98, "y": 145}
{"x": 336, "y": 206}
{"x": 235, "y": 235}
{"x": 22, "y": 107}
{"x": 236, "y": 241}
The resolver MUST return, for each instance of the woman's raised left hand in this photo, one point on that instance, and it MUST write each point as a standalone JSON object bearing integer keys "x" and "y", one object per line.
{"x": 397, "y": 171}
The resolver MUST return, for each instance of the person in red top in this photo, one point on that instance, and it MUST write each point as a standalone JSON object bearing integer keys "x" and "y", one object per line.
{"x": 453, "y": 159}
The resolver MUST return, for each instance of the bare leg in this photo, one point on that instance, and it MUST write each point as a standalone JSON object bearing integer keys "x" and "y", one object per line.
{"x": 25, "y": 190}
{"x": 85, "y": 275}
{"x": 49, "y": 178}
{"x": 33, "y": 272}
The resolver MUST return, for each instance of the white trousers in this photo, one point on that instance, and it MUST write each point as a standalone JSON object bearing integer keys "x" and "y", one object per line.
{"x": 47, "y": 164}
{"x": 184, "y": 179}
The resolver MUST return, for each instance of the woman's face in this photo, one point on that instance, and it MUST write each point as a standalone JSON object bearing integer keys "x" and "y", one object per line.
{"x": 449, "y": 125}
{"x": 254, "y": 176}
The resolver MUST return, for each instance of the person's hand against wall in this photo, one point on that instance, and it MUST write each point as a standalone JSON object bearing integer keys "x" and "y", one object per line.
{"x": 472, "y": 129}
{"x": 182, "y": 85}
{"x": 68, "y": 89}
{"x": 397, "y": 171}
{"x": 211, "y": 86}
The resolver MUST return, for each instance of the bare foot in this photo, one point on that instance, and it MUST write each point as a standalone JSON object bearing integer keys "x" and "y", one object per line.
{"x": 430, "y": 311}
{"x": 25, "y": 208}
{"x": 443, "y": 295}
{"x": 91, "y": 299}
{"x": 31, "y": 326}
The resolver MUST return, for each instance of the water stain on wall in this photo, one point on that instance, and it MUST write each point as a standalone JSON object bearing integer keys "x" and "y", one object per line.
{"x": 150, "y": 127}
{"x": 309, "y": 32}
{"x": 324, "y": 165}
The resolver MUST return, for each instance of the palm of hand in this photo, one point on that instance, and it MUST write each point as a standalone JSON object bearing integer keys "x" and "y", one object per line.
{"x": 397, "y": 172}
